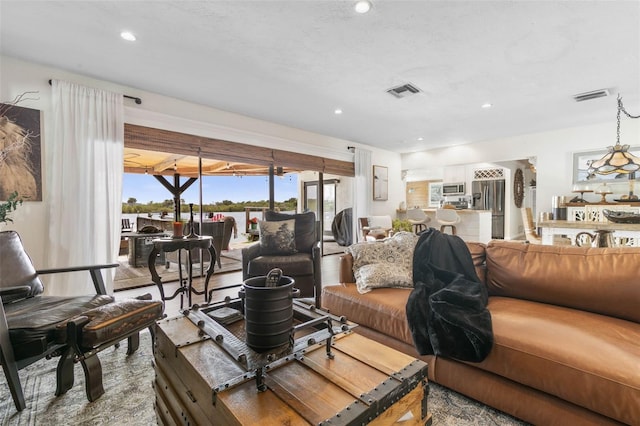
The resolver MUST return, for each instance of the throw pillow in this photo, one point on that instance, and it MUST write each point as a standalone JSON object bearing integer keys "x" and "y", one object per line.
{"x": 383, "y": 274}
{"x": 277, "y": 237}
{"x": 386, "y": 263}
{"x": 306, "y": 237}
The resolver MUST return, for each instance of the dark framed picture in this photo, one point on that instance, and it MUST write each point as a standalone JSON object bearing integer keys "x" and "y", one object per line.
{"x": 380, "y": 183}
{"x": 20, "y": 153}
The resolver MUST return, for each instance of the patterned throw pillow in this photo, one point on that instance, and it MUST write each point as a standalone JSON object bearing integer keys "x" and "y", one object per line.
{"x": 385, "y": 263}
{"x": 277, "y": 237}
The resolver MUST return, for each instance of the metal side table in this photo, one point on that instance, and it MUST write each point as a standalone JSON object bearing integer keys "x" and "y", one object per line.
{"x": 188, "y": 244}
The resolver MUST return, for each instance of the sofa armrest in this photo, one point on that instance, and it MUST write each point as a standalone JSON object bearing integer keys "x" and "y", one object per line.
{"x": 249, "y": 253}
{"x": 346, "y": 269}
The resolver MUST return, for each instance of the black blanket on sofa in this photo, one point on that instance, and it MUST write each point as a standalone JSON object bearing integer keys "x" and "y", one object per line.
{"x": 447, "y": 309}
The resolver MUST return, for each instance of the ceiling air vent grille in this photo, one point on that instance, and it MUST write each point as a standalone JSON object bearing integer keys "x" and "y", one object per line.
{"x": 591, "y": 95}
{"x": 404, "y": 90}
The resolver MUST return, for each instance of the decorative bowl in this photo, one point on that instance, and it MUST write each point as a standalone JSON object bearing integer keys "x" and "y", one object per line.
{"x": 621, "y": 217}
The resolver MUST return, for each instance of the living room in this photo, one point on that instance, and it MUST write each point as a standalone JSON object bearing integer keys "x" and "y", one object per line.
{"x": 576, "y": 127}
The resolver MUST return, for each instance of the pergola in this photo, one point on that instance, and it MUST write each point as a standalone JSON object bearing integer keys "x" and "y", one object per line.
{"x": 162, "y": 164}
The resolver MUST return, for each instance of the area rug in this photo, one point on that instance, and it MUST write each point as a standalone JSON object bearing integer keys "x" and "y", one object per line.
{"x": 331, "y": 247}
{"x": 129, "y": 396}
{"x": 128, "y": 277}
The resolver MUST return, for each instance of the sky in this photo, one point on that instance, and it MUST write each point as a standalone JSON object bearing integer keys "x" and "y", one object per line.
{"x": 145, "y": 188}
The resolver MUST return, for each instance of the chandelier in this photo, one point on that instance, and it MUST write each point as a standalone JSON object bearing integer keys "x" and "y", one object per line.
{"x": 618, "y": 159}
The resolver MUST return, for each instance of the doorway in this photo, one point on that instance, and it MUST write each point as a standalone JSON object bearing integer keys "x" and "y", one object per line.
{"x": 329, "y": 202}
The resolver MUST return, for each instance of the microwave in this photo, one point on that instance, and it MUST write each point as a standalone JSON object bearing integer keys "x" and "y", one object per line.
{"x": 453, "y": 188}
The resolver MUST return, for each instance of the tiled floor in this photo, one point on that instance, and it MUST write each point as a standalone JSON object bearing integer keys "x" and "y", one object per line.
{"x": 330, "y": 276}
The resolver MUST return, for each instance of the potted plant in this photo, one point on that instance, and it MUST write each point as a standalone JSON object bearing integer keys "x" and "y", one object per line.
{"x": 9, "y": 206}
{"x": 253, "y": 223}
{"x": 401, "y": 225}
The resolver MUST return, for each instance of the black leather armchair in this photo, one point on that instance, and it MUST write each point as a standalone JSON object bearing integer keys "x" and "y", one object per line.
{"x": 33, "y": 326}
{"x": 304, "y": 266}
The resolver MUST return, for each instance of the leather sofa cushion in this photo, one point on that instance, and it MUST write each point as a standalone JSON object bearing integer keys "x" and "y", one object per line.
{"x": 578, "y": 356}
{"x": 292, "y": 265}
{"x": 601, "y": 280}
{"x": 117, "y": 319}
{"x": 33, "y": 322}
{"x": 382, "y": 309}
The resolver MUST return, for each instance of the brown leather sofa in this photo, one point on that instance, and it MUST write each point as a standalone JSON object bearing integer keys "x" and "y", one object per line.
{"x": 566, "y": 326}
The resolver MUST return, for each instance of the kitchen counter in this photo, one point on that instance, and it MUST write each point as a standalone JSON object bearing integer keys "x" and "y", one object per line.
{"x": 474, "y": 226}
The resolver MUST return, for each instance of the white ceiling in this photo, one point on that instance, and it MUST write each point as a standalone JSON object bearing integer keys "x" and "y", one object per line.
{"x": 294, "y": 62}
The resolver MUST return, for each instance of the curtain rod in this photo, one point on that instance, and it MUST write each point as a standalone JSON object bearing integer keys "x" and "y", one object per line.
{"x": 137, "y": 100}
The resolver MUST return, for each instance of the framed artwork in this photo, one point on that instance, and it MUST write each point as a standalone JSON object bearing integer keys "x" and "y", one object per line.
{"x": 582, "y": 160}
{"x": 20, "y": 159}
{"x": 435, "y": 194}
{"x": 380, "y": 183}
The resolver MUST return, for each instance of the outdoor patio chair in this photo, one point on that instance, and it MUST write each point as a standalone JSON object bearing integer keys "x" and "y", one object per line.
{"x": 126, "y": 225}
{"x": 221, "y": 241}
{"x": 76, "y": 329}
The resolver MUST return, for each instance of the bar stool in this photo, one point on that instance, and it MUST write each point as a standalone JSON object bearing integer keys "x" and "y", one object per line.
{"x": 418, "y": 219}
{"x": 447, "y": 217}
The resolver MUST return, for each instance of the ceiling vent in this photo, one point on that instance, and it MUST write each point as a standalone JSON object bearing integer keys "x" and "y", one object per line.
{"x": 404, "y": 90}
{"x": 591, "y": 95}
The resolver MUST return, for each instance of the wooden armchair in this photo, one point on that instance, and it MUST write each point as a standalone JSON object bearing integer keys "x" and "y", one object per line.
{"x": 376, "y": 227}
{"x": 33, "y": 326}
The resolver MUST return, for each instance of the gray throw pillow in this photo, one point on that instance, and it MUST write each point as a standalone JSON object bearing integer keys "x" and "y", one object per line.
{"x": 305, "y": 228}
{"x": 277, "y": 237}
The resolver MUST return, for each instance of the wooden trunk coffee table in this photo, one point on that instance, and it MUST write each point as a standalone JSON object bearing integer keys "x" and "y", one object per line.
{"x": 205, "y": 374}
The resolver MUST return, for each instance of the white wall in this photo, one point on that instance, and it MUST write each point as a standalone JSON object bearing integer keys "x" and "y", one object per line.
{"x": 553, "y": 150}
{"x": 164, "y": 112}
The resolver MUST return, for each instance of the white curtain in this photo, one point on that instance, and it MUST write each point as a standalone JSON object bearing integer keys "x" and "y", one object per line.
{"x": 362, "y": 189}
{"x": 84, "y": 185}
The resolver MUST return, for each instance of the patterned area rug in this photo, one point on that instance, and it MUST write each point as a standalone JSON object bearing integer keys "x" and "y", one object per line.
{"x": 129, "y": 396}
{"x": 128, "y": 277}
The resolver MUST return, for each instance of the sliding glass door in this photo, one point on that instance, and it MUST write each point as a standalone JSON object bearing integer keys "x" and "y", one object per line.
{"x": 311, "y": 196}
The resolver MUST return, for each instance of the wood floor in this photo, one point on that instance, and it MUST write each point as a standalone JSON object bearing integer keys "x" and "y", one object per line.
{"x": 330, "y": 276}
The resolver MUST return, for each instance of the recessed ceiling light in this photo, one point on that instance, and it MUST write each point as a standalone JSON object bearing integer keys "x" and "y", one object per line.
{"x": 487, "y": 105}
{"x": 420, "y": 138}
{"x": 363, "y": 6}
{"x": 337, "y": 111}
{"x": 127, "y": 35}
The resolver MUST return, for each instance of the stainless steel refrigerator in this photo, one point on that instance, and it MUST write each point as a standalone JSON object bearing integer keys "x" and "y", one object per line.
{"x": 489, "y": 195}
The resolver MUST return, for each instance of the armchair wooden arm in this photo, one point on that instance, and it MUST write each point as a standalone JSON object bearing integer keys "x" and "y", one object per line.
{"x": 94, "y": 271}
